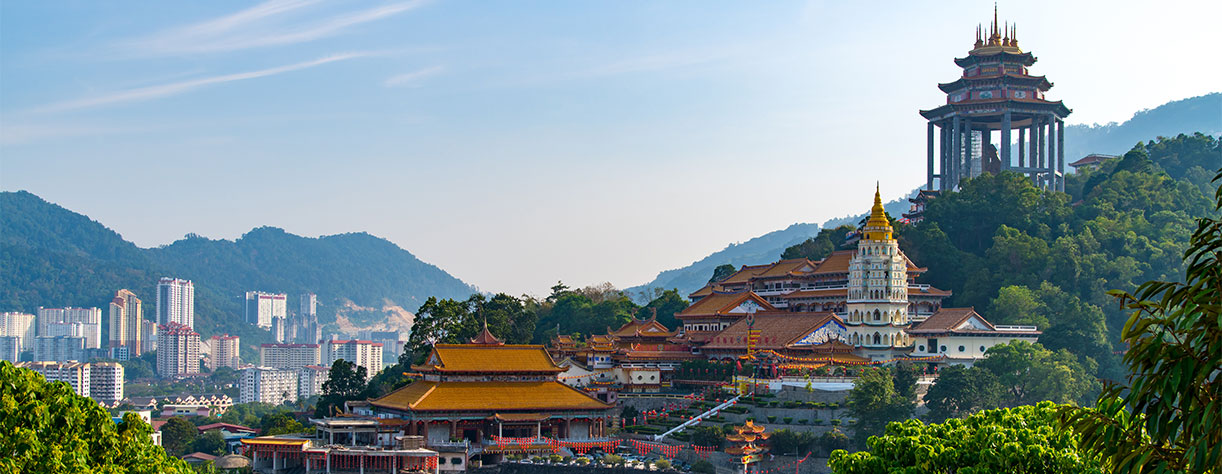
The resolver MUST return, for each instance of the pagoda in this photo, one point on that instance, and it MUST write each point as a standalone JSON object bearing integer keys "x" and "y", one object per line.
{"x": 744, "y": 439}
{"x": 996, "y": 93}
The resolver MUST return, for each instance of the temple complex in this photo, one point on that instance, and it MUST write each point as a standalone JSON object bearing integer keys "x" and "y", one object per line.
{"x": 996, "y": 93}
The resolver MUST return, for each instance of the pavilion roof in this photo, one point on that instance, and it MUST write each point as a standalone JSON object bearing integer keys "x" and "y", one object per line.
{"x": 778, "y": 330}
{"x": 642, "y": 327}
{"x": 722, "y": 304}
{"x": 488, "y": 397}
{"x": 476, "y": 358}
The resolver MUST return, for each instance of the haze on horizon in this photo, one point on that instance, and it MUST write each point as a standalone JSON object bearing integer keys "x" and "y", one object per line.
{"x": 516, "y": 144}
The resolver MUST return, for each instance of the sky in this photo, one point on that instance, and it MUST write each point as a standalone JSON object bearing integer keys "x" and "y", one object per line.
{"x": 515, "y": 144}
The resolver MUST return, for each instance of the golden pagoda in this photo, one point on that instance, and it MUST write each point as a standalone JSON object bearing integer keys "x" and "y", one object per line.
{"x": 744, "y": 439}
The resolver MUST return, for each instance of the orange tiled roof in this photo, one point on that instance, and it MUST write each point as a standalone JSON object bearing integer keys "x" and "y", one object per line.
{"x": 745, "y": 274}
{"x": 817, "y": 293}
{"x": 488, "y": 397}
{"x": 721, "y": 303}
{"x": 929, "y": 292}
{"x": 777, "y": 330}
{"x": 707, "y": 290}
{"x": 786, "y": 268}
{"x": 947, "y": 319}
{"x": 837, "y": 262}
{"x": 485, "y": 358}
{"x": 638, "y": 327}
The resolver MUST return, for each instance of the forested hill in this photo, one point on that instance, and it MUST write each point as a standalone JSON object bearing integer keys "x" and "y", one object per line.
{"x": 1197, "y": 114}
{"x": 51, "y": 256}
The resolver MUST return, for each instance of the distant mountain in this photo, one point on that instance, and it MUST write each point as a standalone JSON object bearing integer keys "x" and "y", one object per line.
{"x": 1197, "y": 114}
{"x": 51, "y": 256}
{"x": 763, "y": 249}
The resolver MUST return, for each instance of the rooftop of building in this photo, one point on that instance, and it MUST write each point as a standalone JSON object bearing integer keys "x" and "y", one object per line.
{"x": 289, "y": 346}
{"x": 354, "y": 341}
{"x": 548, "y": 395}
{"x": 490, "y": 359}
{"x": 965, "y": 321}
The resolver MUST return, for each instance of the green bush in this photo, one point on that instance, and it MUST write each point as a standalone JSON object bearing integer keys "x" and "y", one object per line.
{"x": 835, "y": 421}
{"x": 703, "y": 467}
{"x": 803, "y": 421}
{"x": 662, "y": 464}
{"x": 772, "y": 418}
{"x": 788, "y": 420}
{"x": 613, "y": 460}
{"x": 818, "y": 421}
{"x": 833, "y": 406}
{"x": 820, "y": 405}
{"x": 737, "y": 410}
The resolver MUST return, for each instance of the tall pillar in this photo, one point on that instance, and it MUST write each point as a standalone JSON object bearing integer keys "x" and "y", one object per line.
{"x": 1031, "y": 147}
{"x": 929, "y": 157}
{"x": 1003, "y": 151}
{"x": 955, "y": 152}
{"x": 1043, "y": 147}
{"x": 1022, "y": 147}
{"x": 1053, "y": 179}
{"x": 453, "y": 429}
{"x": 943, "y": 162}
{"x": 969, "y": 168}
{"x": 1061, "y": 152}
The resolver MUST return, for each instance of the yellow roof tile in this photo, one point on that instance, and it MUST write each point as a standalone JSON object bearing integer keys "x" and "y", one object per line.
{"x": 483, "y": 358}
{"x": 488, "y": 396}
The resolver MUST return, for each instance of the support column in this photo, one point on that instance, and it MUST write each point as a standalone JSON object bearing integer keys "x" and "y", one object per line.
{"x": 453, "y": 429}
{"x": 568, "y": 427}
{"x": 968, "y": 141}
{"x": 1022, "y": 147}
{"x": 929, "y": 156}
{"x": 1053, "y": 178}
{"x": 1061, "y": 152}
{"x": 956, "y": 154}
{"x": 1043, "y": 146}
{"x": 1032, "y": 148}
{"x": 943, "y": 162}
{"x": 1003, "y": 151}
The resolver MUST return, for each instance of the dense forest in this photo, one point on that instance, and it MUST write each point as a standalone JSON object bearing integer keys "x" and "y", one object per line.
{"x": 51, "y": 256}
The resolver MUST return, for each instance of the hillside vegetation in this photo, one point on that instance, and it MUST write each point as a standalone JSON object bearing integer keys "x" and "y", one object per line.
{"x": 51, "y": 256}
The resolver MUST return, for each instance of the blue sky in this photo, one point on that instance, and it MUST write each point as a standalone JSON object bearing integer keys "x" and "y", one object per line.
{"x": 519, "y": 143}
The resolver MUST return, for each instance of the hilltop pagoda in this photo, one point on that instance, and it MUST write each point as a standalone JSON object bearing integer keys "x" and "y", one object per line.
{"x": 996, "y": 93}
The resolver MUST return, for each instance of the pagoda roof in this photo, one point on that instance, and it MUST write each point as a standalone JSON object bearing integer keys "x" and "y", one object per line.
{"x": 642, "y": 327}
{"x": 960, "y": 321}
{"x": 782, "y": 330}
{"x": 745, "y": 274}
{"x": 495, "y": 397}
{"x": 837, "y": 262}
{"x": 1091, "y": 159}
{"x": 473, "y": 358}
{"x": 997, "y": 106}
{"x": 788, "y": 268}
{"x": 486, "y": 338}
{"x": 721, "y": 304}
{"x": 991, "y": 54}
{"x": 1016, "y": 79}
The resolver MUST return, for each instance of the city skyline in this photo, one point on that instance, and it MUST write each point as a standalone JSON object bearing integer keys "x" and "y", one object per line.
{"x": 538, "y": 134}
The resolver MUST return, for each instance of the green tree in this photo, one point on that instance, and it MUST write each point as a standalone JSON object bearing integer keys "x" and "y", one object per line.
{"x": 874, "y": 402}
{"x": 960, "y": 391}
{"x": 1020, "y": 440}
{"x": 211, "y": 442}
{"x": 345, "y": 381}
{"x": 722, "y": 272}
{"x": 177, "y": 434}
{"x": 1016, "y": 304}
{"x": 1169, "y": 416}
{"x": 819, "y": 246}
{"x": 280, "y": 423}
{"x": 48, "y": 428}
{"x": 785, "y": 441}
{"x": 664, "y": 306}
{"x": 702, "y": 466}
{"x": 1030, "y": 373}
{"x": 904, "y": 376}
{"x": 708, "y": 436}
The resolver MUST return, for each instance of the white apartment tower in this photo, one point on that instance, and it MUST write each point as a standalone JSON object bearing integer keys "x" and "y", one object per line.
{"x": 262, "y": 307}
{"x": 20, "y": 325}
{"x": 310, "y": 379}
{"x": 289, "y": 356}
{"x": 126, "y": 316}
{"x": 224, "y": 352}
{"x": 268, "y": 385}
{"x": 367, "y": 354}
{"x": 177, "y": 350}
{"x": 76, "y": 374}
{"x": 877, "y": 304}
{"x": 89, "y": 318}
{"x": 175, "y": 301}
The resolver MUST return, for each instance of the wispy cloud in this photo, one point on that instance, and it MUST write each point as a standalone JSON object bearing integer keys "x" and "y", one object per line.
{"x": 412, "y": 79}
{"x": 255, "y": 27}
{"x": 175, "y": 88}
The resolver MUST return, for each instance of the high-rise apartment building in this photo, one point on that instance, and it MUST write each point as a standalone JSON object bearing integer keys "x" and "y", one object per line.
{"x": 126, "y": 327}
{"x": 268, "y": 385}
{"x": 106, "y": 382}
{"x": 177, "y": 350}
{"x": 175, "y": 301}
{"x": 367, "y": 354}
{"x": 392, "y": 344}
{"x": 10, "y": 348}
{"x": 20, "y": 325}
{"x": 310, "y": 379}
{"x": 224, "y": 352}
{"x": 90, "y": 319}
{"x": 303, "y": 327}
{"x": 278, "y": 329}
{"x": 289, "y": 356}
{"x": 262, "y": 307}
{"x": 148, "y": 335}
{"x": 59, "y": 348}
{"x": 76, "y": 374}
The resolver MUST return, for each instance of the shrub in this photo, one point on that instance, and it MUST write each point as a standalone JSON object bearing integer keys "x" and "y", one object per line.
{"x": 833, "y": 406}
{"x": 818, "y": 421}
{"x": 803, "y": 421}
{"x": 583, "y": 460}
{"x": 555, "y": 458}
{"x": 662, "y": 464}
{"x": 772, "y": 418}
{"x": 703, "y": 467}
{"x": 835, "y": 421}
{"x": 820, "y": 405}
{"x": 613, "y": 460}
{"x": 788, "y": 420}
